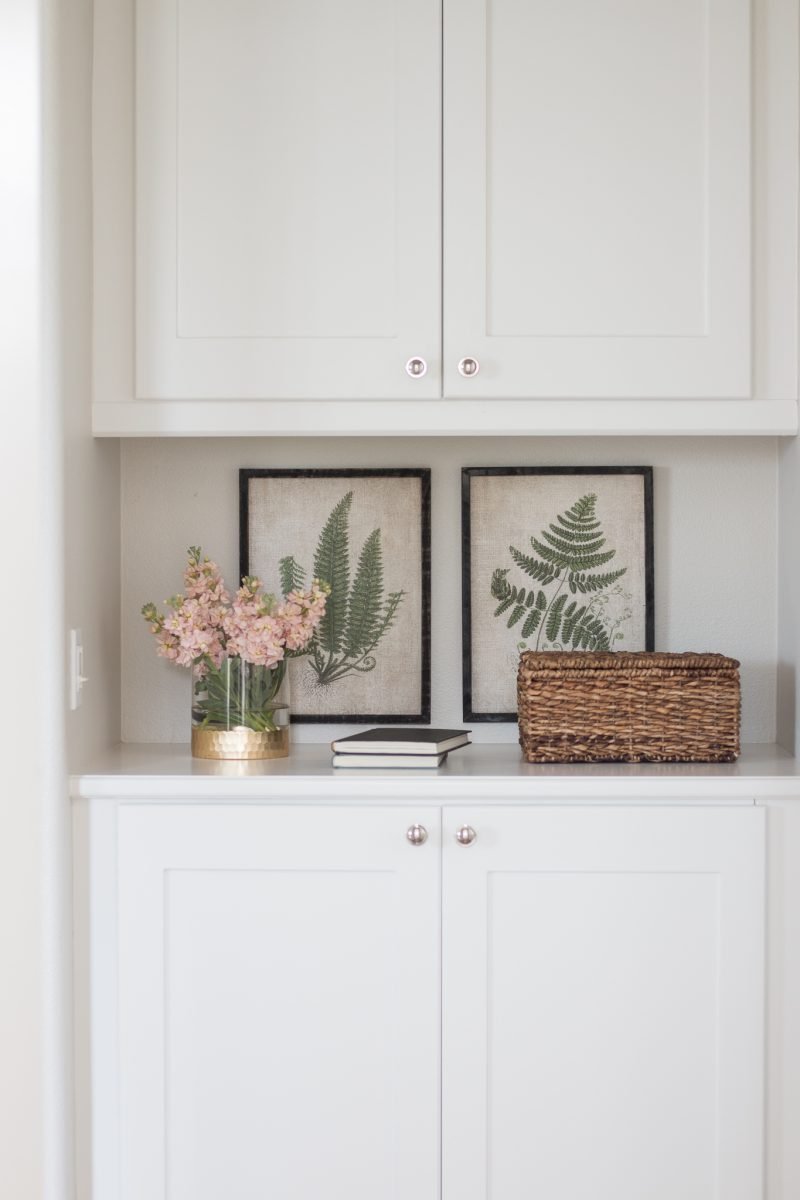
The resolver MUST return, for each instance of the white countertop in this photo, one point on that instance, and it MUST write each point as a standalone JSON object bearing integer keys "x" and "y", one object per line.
{"x": 476, "y": 773}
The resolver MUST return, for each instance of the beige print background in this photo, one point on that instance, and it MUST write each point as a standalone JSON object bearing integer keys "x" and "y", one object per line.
{"x": 286, "y": 517}
{"x": 505, "y": 511}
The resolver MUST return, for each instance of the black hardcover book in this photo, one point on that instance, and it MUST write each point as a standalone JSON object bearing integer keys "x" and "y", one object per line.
{"x": 402, "y": 741}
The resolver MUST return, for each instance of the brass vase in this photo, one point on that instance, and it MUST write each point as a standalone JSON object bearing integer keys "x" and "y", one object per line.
{"x": 240, "y": 710}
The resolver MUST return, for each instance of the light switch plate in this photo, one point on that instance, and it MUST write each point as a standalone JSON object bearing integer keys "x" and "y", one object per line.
{"x": 77, "y": 679}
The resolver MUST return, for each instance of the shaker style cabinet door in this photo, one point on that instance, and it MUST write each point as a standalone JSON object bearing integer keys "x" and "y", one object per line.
{"x": 602, "y": 997}
{"x": 278, "y": 1017}
{"x": 597, "y": 216}
{"x": 287, "y": 199}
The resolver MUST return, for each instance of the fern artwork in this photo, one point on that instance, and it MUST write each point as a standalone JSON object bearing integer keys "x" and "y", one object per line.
{"x": 565, "y": 559}
{"x": 358, "y": 615}
{"x": 557, "y": 562}
{"x": 366, "y": 534}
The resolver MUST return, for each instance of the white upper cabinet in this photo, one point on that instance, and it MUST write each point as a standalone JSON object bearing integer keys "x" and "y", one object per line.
{"x": 287, "y": 199}
{"x": 598, "y": 226}
{"x": 613, "y": 249}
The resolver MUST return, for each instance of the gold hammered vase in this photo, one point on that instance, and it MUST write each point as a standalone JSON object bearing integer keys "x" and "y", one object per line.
{"x": 240, "y": 743}
{"x": 240, "y": 710}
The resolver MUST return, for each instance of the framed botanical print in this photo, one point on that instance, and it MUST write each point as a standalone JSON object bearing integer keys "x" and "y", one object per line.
{"x": 553, "y": 558}
{"x": 367, "y": 534}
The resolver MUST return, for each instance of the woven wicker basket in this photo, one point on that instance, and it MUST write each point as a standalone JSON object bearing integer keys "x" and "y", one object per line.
{"x": 624, "y": 707}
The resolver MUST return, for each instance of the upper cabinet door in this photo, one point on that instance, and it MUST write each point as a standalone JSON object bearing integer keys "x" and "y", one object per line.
{"x": 598, "y": 225}
{"x": 287, "y": 199}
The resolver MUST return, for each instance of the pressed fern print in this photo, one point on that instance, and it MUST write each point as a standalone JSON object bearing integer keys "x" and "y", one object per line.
{"x": 565, "y": 562}
{"x": 356, "y": 617}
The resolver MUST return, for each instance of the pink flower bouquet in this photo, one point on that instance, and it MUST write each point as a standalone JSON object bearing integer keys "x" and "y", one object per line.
{"x": 237, "y": 648}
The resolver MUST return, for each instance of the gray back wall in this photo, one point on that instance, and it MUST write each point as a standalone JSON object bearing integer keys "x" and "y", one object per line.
{"x": 715, "y": 550}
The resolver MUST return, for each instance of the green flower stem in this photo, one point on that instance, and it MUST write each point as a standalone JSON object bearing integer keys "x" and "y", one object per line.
{"x": 238, "y": 694}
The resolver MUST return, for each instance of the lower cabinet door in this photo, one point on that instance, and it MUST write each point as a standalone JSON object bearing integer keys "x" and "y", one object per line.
{"x": 602, "y": 998}
{"x": 279, "y": 1003}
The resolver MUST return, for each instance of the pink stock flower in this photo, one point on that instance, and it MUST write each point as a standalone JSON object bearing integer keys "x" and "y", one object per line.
{"x": 205, "y": 626}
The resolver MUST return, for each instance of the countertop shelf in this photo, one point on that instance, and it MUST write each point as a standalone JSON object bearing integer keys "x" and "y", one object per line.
{"x": 477, "y": 774}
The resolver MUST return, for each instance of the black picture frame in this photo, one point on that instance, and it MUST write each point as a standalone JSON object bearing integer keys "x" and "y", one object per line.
{"x": 246, "y": 474}
{"x": 469, "y": 473}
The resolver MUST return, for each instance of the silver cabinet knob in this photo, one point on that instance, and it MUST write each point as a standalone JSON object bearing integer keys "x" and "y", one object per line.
{"x": 466, "y": 835}
{"x": 416, "y": 367}
{"x": 469, "y": 367}
{"x": 417, "y": 835}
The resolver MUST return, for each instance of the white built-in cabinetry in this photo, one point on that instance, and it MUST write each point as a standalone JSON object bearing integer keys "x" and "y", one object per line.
{"x": 597, "y": 199}
{"x": 278, "y": 1003}
{"x": 313, "y": 218}
{"x": 286, "y": 992}
{"x": 287, "y": 199}
{"x": 602, "y": 1009}
{"x": 587, "y": 217}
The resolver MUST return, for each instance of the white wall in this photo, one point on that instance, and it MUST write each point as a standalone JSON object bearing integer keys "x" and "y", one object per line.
{"x": 715, "y": 550}
{"x": 788, "y": 731}
{"x": 91, "y": 466}
{"x": 59, "y": 499}
{"x": 88, "y": 488}
{"x": 30, "y": 606}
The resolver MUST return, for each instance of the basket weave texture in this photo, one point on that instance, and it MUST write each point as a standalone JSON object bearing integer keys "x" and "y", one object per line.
{"x": 587, "y": 706}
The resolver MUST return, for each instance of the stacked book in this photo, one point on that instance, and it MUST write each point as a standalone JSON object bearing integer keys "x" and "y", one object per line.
{"x": 398, "y": 747}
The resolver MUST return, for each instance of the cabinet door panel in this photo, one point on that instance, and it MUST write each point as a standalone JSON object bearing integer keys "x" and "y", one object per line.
{"x": 603, "y": 981}
{"x": 287, "y": 198}
{"x": 597, "y": 211}
{"x": 279, "y": 1004}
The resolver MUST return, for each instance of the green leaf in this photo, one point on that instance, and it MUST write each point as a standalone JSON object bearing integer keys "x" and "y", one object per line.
{"x": 576, "y": 561}
{"x": 589, "y": 634}
{"x": 531, "y": 622}
{"x": 576, "y": 534}
{"x": 571, "y": 618}
{"x": 515, "y": 616}
{"x": 542, "y": 572}
{"x": 332, "y": 563}
{"x": 554, "y": 618}
{"x": 503, "y": 591}
{"x": 576, "y": 625}
{"x": 293, "y": 577}
{"x": 568, "y": 547}
{"x": 364, "y": 608}
{"x": 583, "y": 509}
{"x": 578, "y": 526}
{"x": 500, "y": 585}
{"x": 592, "y": 633}
{"x": 596, "y": 583}
{"x": 389, "y": 613}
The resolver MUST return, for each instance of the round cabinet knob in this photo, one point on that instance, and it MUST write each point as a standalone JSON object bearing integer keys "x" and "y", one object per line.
{"x": 469, "y": 367}
{"x": 417, "y": 835}
{"x": 466, "y": 835}
{"x": 416, "y": 367}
